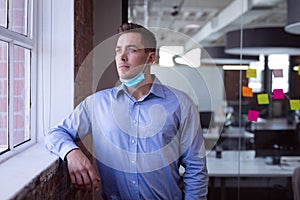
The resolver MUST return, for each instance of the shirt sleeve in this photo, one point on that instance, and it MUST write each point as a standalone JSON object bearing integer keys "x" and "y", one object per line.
{"x": 193, "y": 158}
{"x": 61, "y": 139}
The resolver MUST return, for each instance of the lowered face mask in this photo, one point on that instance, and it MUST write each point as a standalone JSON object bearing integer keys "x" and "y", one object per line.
{"x": 134, "y": 81}
{"x": 137, "y": 79}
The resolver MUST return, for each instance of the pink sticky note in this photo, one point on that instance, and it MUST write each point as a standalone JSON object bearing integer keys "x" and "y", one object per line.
{"x": 278, "y": 72}
{"x": 278, "y": 94}
{"x": 253, "y": 115}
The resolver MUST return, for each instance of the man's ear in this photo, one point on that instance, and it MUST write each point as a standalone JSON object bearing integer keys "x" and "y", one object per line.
{"x": 152, "y": 58}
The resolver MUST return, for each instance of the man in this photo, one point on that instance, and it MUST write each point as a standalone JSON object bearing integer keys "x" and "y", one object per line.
{"x": 142, "y": 132}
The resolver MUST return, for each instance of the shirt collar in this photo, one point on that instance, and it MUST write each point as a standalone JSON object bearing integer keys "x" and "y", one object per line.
{"x": 156, "y": 89}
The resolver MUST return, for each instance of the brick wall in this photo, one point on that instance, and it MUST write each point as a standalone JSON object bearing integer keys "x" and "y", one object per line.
{"x": 83, "y": 46}
{"x": 83, "y": 31}
{"x": 53, "y": 183}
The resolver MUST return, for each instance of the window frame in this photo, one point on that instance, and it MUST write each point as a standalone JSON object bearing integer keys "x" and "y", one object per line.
{"x": 52, "y": 86}
{"x": 28, "y": 42}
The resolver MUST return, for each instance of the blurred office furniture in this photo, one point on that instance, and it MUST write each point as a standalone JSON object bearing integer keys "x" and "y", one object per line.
{"x": 296, "y": 174}
{"x": 275, "y": 138}
{"x": 235, "y": 138}
{"x": 252, "y": 175}
{"x": 207, "y": 119}
{"x": 296, "y": 183}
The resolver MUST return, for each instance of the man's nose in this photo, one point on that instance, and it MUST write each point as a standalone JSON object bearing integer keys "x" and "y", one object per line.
{"x": 123, "y": 56}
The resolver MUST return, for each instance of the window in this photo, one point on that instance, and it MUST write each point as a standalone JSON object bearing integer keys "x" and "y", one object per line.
{"x": 16, "y": 47}
{"x": 257, "y": 83}
{"x": 280, "y": 62}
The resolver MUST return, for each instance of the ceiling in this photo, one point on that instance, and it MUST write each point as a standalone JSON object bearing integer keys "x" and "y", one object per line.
{"x": 206, "y": 21}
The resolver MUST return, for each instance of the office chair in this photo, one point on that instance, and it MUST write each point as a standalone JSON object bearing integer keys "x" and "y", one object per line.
{"x": 296, "y": 173}
{"x": 296, "y": 183}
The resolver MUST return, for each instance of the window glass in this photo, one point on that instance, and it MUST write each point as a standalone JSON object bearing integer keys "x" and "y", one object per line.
{"x": 3, "y": 97}
{"x": 279, "y": 62}
{"x": 257, "y": 83}
{"x": 3, "y": 13}
{"x": 15, "y": 69}
{"x": 21, "y": 95}
{"x": 20, "y": 16}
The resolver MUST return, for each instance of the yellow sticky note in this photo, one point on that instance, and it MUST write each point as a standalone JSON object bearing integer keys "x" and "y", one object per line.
{"x": 295, "y": 104}
{"x": 263, "y": 99}
{"x": 251, "y": 73}
{"x": 247, "y": 92}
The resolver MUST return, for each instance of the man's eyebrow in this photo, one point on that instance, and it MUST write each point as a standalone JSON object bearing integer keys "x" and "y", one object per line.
{"x": 128, "y": 46}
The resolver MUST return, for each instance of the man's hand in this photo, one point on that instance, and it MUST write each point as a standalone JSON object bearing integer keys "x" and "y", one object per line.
{"x": 82, "y": 172}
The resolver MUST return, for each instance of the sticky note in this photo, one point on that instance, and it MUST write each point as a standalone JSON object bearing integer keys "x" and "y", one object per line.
{"x": 277, "y": 73}
{"x": 278, "y": 94}
{"x": 247, "y": 92}
{"x": 253, "y": 115}
{"x": 263, "y": 99}
{"x": 295, "y": 104}
{"x": 251, "y": 73}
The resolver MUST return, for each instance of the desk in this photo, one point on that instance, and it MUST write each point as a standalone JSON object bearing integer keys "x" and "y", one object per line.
{"x": 273, "y": 124}
{"x": 276, "y": 137}
{"x": 229, "y": 139}
{"x": 244, "y": 163}
{"x": 241, "y": 169}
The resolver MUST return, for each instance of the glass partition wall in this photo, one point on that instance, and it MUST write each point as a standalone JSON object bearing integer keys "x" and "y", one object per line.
{"x": 241, "y": 67}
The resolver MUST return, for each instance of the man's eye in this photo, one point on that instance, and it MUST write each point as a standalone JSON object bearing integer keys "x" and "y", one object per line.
{"x": 132, "y": 50}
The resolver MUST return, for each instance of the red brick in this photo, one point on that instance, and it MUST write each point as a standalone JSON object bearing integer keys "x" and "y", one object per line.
{"x": 18, "y": 121}
{"x": 3, "y": 51}
{"x": 3, "y": 104}
{"x": 19, "y": 53}
{"x": 19, "y": 29}
{"x": 19, "y": 136}
{"x": 19, "y": 69}
{"x": 20, "y": 4}
{"x": 18, "y": 104}
{"x": 3, "y": 87}
{"x": 3, "y": 137}
{"x": 19, "y": 87}
{"x": 3, "y": 121}
{"x": 3, "y": 69}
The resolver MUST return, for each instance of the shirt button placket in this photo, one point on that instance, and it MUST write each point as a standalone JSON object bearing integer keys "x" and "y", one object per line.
{"x": 134, "y": 141}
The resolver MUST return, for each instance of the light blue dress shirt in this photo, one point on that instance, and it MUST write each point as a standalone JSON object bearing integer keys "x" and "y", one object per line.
{"x": 139, "y": 144}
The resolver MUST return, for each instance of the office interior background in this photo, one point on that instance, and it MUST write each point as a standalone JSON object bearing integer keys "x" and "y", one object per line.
{"x": 237, "y": 59}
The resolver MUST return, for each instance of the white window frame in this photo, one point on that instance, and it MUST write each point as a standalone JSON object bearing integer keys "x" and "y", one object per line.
{"x": 52, "y": 66}
{"x": 28, "y": 42}
{"x": 52, "y": 94}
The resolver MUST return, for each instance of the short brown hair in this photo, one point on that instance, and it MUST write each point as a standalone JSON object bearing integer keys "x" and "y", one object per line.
{"x": 148, "y": 37}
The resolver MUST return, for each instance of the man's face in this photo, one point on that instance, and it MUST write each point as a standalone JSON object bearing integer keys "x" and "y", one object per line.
{"x": 130, "y": 55}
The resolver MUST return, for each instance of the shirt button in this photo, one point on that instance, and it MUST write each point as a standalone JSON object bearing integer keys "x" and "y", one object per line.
{"x": 133, "y": 182}
{"x": 132, "y": 141}
{"x": 132, "y": 161}
{"x": 134, "y": 121}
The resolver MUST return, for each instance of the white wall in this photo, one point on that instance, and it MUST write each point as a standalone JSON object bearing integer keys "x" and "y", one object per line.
{"x": 203, "y": 84}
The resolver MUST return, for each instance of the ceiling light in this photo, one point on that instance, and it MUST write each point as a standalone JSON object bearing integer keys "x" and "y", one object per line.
{"x": 216, "y": 55}
{"x": 256, "y": 41}
{"x": 192, "y": 26}
{"x": 235, "y": 67}
{"x": 293, "y": 17}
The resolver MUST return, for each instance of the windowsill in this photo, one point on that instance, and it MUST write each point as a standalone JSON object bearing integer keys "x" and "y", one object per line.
{"x": 20, "y": 170}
